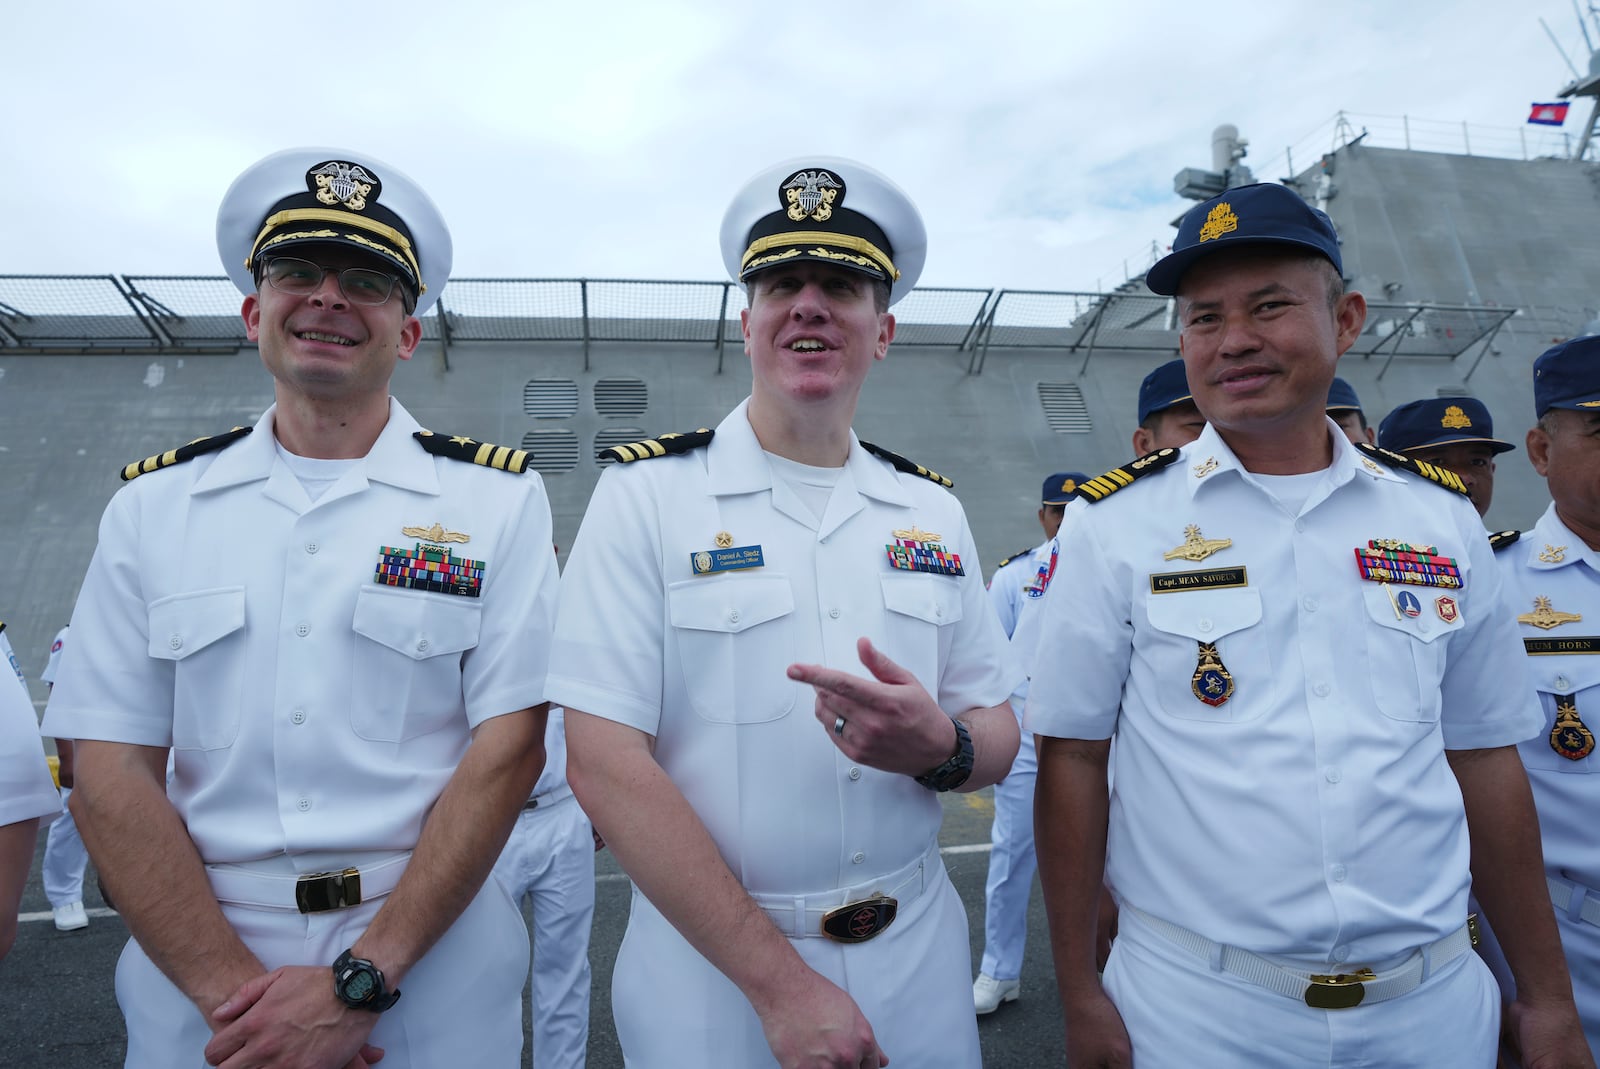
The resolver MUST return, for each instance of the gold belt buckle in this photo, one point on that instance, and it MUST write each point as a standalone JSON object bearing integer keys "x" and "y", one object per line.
{"x": 856, "y": 922}
{"x": 1340, "y": 991}
{"x": 318, "y": 892}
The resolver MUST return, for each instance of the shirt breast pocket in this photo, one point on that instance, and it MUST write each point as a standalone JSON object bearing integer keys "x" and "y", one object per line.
{"x": 736, "y": 636}
{"x": 1558, "y": 680}
{"x": 918, "y": 607}
{"x": 1406, "y": 654}
{"x": 406, "y": 679}
{"x": 202, "y": 633}
{"x": 1226, "y": 619}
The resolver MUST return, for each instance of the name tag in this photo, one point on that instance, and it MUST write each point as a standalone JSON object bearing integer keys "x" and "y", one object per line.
{"x": 1210, "y": 579}
{"x": 732, "y": 559}
{"x": 1546, "y": 647}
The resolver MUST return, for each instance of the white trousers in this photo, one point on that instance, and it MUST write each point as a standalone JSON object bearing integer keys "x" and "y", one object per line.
{"x": 913, "y": 983}
{"x": 65, "y": 859}
{"x": 1182, "y": 1015}
{"x": 550, "y": 859}
{"x": 460, "y": 1006}
{"x": 1012, "y": 864}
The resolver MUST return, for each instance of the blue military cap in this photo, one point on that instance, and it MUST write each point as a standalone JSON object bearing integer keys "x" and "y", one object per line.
{"x": 1439, "y": 421}
{"x": 324, "y": 196}
{"x": 832, "y": 210}
{"x": 1260, "y": 214}
{"x": 1062, "y": 487}
{"x": 1568, "y": 376}
{"x": 1342, "y": 397}
{"x": 1163, "y": 388}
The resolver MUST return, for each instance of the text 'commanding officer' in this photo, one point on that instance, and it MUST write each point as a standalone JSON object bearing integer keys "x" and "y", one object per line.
{"x": 340, "y": 623}
{"x": 780, "y": 820}
{"x": 1300, "y": 649}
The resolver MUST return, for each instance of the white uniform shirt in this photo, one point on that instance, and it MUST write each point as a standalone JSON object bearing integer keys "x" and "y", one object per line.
{"x": 313, "y": 711}
{"x": 1015, "y": 591}
{"x": 26, "y": 789}
{"x": 699, "y": 661}
{"x": 53, "y": 665}
{"x": 1551, "y": 562}
{"x": 1313, "y": 814}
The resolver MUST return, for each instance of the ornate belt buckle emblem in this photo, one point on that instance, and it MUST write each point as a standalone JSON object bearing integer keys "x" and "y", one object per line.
{"x": 1340, "y": 991}
{"x": 856, "y": 922}
{"x": 318, "y": 892}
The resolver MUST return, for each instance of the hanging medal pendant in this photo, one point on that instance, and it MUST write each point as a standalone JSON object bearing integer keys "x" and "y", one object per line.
{"x": 1212, "y": 683}
{"x": 1570, "y": 738}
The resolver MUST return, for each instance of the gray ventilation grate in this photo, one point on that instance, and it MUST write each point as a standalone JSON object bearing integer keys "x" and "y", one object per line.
{"x": 550, "y": 398}
{"x": 614, "y": 436}
{"x": 1064, "y": 408}
{"x": 620, "y": 398}
{"x": 553, "y": 451}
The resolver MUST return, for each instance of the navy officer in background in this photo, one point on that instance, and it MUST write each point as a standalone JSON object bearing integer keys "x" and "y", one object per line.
{"x": 1314, "y": 719}
{"x": 1455, "y": 433}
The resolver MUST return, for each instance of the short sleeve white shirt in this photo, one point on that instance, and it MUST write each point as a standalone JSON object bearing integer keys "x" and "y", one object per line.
{"x": 26, "y": 789}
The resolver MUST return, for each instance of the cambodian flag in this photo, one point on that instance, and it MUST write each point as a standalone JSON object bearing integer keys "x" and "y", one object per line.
{"x": 1549, "y": 114}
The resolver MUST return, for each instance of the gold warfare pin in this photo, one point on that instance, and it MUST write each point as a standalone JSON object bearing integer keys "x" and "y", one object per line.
{"x": 1195, "y": 547}
{"x": 1569, "y": 737}
{"x": 435, "y": 534}
{"x": 1544, "y": 617}
{"x": 1212, "y": 683}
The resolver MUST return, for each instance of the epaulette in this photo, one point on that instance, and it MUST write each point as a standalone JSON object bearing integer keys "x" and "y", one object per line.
{"x": 665, "y": 445}
{"x": 1103, "y": 486}
{"x": 910, "y": 467}
{"x": 1432, "y": 472}
{"x": 1501, "y": 539}
{"x": 1019, "y": 554}
{"x": 184, "y": 452}
{"x": 460, "y": 447}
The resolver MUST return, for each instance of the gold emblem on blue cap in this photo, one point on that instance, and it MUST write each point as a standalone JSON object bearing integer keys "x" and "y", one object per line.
{"x": 1219, "y": 221}
{"x": 342, "y": 183}
{"x": 1212, "y": 683}
{"x": 810, "y": 194}
{"x": 1454, "y": 419}
{"x": 1569, "y": 737}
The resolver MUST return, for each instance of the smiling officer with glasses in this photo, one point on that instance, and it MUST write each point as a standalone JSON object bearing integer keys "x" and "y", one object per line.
{"x": 339, "y": 623}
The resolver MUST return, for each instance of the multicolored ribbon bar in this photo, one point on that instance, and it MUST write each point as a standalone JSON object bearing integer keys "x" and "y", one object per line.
{"x": 430, "y": 567}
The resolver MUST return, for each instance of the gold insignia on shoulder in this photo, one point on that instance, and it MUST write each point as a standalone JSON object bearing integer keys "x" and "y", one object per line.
{"x": 187, "y": 451}
{"x": 436, "y": 534}
{"x": 1370, "y": 466}
{"x": 917, "y": 534}
{"x": 1205, "y": 467}
{"x": 910, "y": 467}
{"x": 661, "y": 446}
{"x": 724, "y": 540}
{"x": 460, "y": 447}
{"x": 1454, "y": 419}
{"x": 1432, "y": 472}
{"x": 1220, "y": 221}
{"x": 1544, "y": 617}
{"x": 1103, "y": 486}
{"x": 1501, "y": 539}
{"x": 1196, "y": 548}
{"x": 1569, "y": 737}
{"x": 811, "y": 195}
{"x": 1553, "y": 554}
{"x": 342, "y": 183}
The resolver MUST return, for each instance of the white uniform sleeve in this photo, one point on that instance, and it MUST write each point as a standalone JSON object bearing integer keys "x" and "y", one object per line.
{"x": 26, "y": 790}
{"x": 1003, "y": 594}
{"x": 52, "y": 667}
{"x": 979, "y": 669}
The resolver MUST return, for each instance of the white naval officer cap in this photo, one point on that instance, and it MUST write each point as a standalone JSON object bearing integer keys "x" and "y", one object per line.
{"x": 322, "y": 196}
{"x": 831, "y": 210}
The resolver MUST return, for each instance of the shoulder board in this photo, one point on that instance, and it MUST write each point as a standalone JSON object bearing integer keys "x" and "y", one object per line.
{"x": 460, "y": 447}
{"x": 1103, "y": 486}
{"x": 665, "y": 445}
{"x": 1501, "y": 539}
{"x": 184, "y": 452}
{"x": 1018, "y": 555}
{"x": 1432, "y": 472}
{"x": 910, "y": 467}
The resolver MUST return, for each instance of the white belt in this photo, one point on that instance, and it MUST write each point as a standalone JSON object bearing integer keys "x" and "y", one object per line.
{"x": 800, "y": 916}
{"x": 1574, "y": 899}
{"x": 260, "y": 889}
{"x": 1338, "y": 991}
{"x": 539, "y": 801}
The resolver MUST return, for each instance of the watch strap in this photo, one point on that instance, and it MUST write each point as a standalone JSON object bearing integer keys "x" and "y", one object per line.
{"x": 378, "y": 1000}
{"x": 955, "y": 769}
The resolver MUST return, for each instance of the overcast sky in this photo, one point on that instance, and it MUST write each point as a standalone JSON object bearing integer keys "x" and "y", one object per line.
{"x": 604, "y": 139}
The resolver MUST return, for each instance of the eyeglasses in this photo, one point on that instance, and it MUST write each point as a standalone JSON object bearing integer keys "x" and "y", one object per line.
{"x": 360, "y": 285}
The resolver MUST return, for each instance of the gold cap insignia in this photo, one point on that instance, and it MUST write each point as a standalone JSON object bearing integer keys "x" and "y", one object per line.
{"x": 1220, "y": 221}
{"x": 1454, "y": 419}
{"x": 435, "y": 534}
{"x": 342, "y": 183}
{"x": 1069, "y": 486}
{"x": 1553, "y": 554}
{"x": 1544, "y": 617}
{"x": 810, "y": 194}
{"x": 724, "y": 540}
{"x": 1196, "y": 548}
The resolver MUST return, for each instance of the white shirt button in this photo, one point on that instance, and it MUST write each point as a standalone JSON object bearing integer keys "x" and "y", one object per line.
{"x": 1204, "y": 626}
{"x": 1562, "y": 683}
{"x": 1424, "y": 627}
{"x": 938, "y": 612}
{"x": 1332, "y": 774}
{"x": 1321, "y": 690}
{"x": 304, "y": 804}
{"x": 857, "y": 858}
{"x": 834, "y": 613}
{"x": 297, "y": 717}
{"x": 312, "y": 547}
{"x": 422, "y": 645}
{"x": 302, "y": 630}
{"x": 734, "y": 617}
{"x": 1300, "y": 525}
{"x": 855, "y": 773}
{"x": 1338, "y": 873}
{"x": 1341, "y": 953}
{"x": 1309, "y": 604}
{"x": 176, "y": 642}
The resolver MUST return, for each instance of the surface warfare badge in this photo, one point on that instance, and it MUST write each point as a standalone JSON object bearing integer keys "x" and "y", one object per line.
{"x": 1569, "y": 737}
{"x": 1212, "y": 683}
{"x": 916, "y": 550}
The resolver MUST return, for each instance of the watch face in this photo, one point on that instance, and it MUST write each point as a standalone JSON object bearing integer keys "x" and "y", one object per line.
{"x": 360, "y": 986}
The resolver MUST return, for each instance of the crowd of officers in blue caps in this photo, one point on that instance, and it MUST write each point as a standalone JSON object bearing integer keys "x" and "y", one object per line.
{"x": 1298, "y": 750}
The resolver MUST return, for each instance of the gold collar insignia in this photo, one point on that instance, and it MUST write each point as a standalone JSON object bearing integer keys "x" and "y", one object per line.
{"x": 1553, "y": 554}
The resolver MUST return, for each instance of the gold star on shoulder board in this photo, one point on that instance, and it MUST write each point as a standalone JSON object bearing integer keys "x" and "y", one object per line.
{"x": 1196, "y": 548}
{"x": 461, "y": 439}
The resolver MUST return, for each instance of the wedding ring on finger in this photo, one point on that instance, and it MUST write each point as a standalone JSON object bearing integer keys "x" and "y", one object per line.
{"x": 838, "y": 725}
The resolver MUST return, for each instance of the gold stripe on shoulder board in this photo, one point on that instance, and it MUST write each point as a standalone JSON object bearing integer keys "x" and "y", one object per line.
{"x": 660, "y": 446}
{"x": 1103, "y": 486}
{"x": 187, "y": 451}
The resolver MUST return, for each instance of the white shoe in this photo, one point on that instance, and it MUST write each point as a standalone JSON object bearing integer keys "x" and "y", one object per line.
{"x": 71, "y": 917}
{"x": 988, "y": 993}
